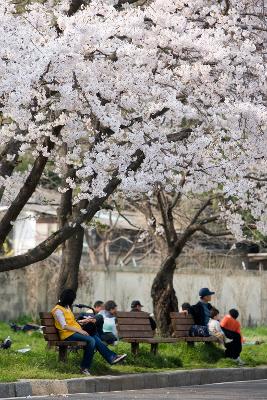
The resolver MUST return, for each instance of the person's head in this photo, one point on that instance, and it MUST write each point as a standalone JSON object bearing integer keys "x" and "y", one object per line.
{"x": 99, "y": 306}
{"x": 67, "y": 298}
{"x": 136, "y": 305}
{"x": 111, "y": 307}
{"x": 185, "y": 307}
{"x": 214, "y": 313}
{"x": 234, "y": 313}
{"x": 205, "y": 295}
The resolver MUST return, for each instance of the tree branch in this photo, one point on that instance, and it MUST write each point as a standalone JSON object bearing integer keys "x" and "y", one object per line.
{"x": 210, "y": 233}
{"x": 200, "y": 211}
{"x": 27, "y": 190}
{"x": 48, "y": 246}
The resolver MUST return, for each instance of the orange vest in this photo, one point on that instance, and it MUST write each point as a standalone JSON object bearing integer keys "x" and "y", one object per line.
{"x": 231, "y": 324}
{"x": 70, "y": 320}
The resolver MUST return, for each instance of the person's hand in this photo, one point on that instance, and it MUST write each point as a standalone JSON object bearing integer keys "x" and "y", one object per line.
{"x": 82, "y": 332}
{"x": 90, "y": 320}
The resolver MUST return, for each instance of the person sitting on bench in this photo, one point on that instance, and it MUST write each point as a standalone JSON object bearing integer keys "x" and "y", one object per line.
{"x": 201, "y": 314}
{"x": 70, "y": 330}
{"x": 136, "y": 306}
{"x": 110, "y": 333}
{"x": 95, "y": 324}
{"x": 215, "y": 327}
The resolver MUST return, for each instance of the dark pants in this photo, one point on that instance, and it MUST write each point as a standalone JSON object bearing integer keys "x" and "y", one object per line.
{"x": 108, "y": 338}
{"x": 234, "y": 348}
{"x": 92, "y": 343}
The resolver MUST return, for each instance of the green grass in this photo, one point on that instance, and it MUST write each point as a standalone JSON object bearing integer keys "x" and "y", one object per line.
{"x": 40, "y": 363}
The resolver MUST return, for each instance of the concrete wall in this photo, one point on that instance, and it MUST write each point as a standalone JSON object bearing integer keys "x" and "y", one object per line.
{"x": 32, "y": 289}
{"x": 243, "y": 290}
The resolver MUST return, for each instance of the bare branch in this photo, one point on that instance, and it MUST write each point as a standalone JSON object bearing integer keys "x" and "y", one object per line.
{"x": 210, "y": 233}
{"x": 125, "y": 218}
{"x": 178, "y": 196}
{"x": 200, "y": 211}
{"x": 48, "y": 246}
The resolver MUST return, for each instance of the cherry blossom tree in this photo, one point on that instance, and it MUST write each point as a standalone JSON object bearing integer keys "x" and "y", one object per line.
{"x": 124, "y": 96}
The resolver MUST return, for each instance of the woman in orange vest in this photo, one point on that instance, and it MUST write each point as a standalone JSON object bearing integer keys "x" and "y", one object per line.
{"x": 70, "y": 330}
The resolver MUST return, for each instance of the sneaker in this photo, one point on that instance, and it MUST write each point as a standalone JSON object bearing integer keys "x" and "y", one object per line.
{"x": 239, "y": 361}
{"x": 119, "y": 358}
{"x": 85, "y": 371}
{"x": 226, "y": 340}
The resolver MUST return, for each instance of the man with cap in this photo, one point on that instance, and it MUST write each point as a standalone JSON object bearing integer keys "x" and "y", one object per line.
{"x": 136, "y": 306}
{"x": 201, "y": 313}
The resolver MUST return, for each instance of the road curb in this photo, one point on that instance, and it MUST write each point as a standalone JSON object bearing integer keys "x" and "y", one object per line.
{"x": 41, "y": 387}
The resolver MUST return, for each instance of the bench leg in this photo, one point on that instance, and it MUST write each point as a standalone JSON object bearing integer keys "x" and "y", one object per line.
{"x": 135, "y": 348}
{"x": 191, "y": 344}
{"x": 62, "y": 354}
{"x": 49, "y": 346}
{"x": 154, "y": 348}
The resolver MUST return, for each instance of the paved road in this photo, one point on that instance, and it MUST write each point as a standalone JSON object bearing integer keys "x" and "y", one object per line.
{"x": 253, "y": 390}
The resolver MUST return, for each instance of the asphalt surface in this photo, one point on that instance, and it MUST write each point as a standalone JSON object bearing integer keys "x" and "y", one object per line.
{"x": 252, "y": 390}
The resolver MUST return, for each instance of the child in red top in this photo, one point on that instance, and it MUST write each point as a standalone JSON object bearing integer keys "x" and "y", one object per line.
{"x": 232, "y": 330}
{"x": 230, "y": 322}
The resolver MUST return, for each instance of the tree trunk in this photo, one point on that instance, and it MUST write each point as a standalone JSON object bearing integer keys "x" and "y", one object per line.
{"x": 71, "y": 257}
{"x": 164, "y": 296}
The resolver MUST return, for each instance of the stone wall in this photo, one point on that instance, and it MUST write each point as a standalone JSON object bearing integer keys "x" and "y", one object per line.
{"x": 30, "y": 290}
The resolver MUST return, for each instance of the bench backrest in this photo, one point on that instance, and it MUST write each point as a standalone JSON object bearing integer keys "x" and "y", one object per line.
{"x": 49, "y": 329}
{"x": 181, "y": 323}
{"x": 134, "y": 325}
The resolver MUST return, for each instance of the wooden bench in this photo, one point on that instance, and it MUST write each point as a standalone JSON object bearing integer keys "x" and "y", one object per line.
{"x": 181, "y": 324}
{"x": 52, "y": 337}
{"x": 135, "y": 328}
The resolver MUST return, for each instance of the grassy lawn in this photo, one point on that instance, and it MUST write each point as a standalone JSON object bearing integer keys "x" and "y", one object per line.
{"x": 41, "y": 363}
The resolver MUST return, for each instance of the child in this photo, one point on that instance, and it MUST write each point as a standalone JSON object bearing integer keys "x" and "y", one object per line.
{"x": 230, "y": 322}
{"x": 232, "y": 329}
{"x": 215, "y": 328}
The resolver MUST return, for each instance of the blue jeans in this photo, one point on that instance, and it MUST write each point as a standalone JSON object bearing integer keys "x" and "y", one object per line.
{"x": 92, "y": 343}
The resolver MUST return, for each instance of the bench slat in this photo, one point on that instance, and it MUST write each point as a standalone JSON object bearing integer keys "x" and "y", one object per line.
{"x": 45, "y": 315}
{"x": 50, "y": 337}
{"x": 50, "y": 329}
{"x": 61, "y": 343}
{"x": 132, "y": 314}
{"x": 124, "y": 328}
{"x": 181, "y": 333}
{"x": 153, "y": 340}
{"x": 180, "y": 315}
{"x": 136, "y": 321}
{"x": 182, "y": 327}
{"x": 135, "y": 334}
{"x": 47, "y": 321}
{"x": 183, "y": 321}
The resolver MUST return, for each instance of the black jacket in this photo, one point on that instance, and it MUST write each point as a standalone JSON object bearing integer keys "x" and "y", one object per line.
{"x": 151, "y": 320}
{"x": 197, "y": 312}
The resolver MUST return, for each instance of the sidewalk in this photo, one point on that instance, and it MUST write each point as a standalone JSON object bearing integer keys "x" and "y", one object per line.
{"x": 128, "y": 382}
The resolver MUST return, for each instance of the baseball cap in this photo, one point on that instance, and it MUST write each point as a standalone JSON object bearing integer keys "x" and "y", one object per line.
{"x": 136, "y": 303}
{"x": 205, "y": 292}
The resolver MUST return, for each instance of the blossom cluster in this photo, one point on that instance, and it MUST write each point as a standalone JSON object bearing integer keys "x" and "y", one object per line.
{"x": 184, "y": 82}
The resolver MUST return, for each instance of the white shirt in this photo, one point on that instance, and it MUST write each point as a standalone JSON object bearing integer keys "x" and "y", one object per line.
{"x": 214, "y": 326}
{"x": 59, "y": 315}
